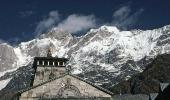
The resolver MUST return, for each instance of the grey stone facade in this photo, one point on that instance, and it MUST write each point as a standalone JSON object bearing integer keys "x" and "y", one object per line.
{"x": 66, "y": 86}
{"x": 46, "y": 73}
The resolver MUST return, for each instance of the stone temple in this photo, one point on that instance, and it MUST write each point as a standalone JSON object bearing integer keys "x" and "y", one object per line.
{"x": 53, "y": 81}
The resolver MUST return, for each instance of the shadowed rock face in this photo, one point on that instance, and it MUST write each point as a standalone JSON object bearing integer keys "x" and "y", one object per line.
{"x": 164, "y": 95}
{"x": 7, "y": 95}
{"x": 7, "y": 57}
{"x": 148, "y": 81}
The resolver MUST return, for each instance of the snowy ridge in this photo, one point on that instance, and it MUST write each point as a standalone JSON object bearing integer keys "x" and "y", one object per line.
{"x": 23, "y": 59}
{"x": 107, "y": 49}
{"x": 129, "y": 45}
{"x": 106, "y": 28}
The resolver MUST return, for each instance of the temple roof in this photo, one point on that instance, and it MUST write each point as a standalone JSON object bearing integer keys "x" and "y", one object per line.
{"x": 77, "y": 77}
{"x": 50, "y": 58}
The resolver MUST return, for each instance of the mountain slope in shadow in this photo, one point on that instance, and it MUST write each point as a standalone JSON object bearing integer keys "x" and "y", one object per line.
{"x": 149, "y": 80}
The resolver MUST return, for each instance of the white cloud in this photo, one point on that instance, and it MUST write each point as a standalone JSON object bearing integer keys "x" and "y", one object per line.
{"x": 76, "y": 23}
{"x": 122, "y": 13}
{"x": 72, "y": 24}
{"x": 47, "y": 23}
{"x": 124, "y": 17}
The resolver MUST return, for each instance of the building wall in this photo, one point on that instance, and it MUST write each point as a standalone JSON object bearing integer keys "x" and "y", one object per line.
{"x": 53, "y": 89}
{"x": 44, "y": 73}
{"x": 47, "y": 69}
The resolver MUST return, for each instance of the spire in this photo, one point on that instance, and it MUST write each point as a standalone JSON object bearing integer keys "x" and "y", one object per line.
{"x": 49, "y": 53}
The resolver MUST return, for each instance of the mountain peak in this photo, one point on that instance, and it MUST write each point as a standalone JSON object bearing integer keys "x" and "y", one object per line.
{"x": 111, "y": 29}
{"x": 56, "y": 33}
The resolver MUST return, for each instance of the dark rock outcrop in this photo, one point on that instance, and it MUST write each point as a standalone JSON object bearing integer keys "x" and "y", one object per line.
{"x": 149, "y": 80}
{"x": 164, "y": 95}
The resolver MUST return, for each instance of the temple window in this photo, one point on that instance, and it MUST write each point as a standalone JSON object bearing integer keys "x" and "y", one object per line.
{"x": 38, "y": 63}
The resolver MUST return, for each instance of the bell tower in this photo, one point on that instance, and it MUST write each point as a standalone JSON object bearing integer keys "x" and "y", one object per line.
{"x": 47, "y": 68}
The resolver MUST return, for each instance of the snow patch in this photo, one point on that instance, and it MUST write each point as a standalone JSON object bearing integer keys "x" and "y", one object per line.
{"x": 3, "y": 83}
{"x": 23, "y": 59}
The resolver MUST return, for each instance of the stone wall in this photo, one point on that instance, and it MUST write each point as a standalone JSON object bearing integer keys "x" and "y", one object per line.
{"x": 65, "y": 85}
{"x": 45, "y": 73}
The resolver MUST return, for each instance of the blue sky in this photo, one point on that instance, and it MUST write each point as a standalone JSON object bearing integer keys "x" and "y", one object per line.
{"x": 22, "y": 20}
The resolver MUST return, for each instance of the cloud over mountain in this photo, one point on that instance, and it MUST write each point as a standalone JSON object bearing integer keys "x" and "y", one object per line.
{"x": 47, "y": 23}
{"x": 123, "y": 17}
{"x": 75, "y": 23}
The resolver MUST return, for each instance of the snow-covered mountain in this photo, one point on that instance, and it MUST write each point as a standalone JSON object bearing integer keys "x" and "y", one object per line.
{"x": 105, "y": 55}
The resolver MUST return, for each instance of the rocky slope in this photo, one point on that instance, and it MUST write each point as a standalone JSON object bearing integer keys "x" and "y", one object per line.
{"x": 104, "y": 56}
{"x": 7, "y": 57}
{"x": 149, "y": 80}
